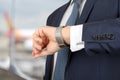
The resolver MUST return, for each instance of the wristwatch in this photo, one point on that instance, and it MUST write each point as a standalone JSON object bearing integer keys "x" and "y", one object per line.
{"x": 58, "y": 36}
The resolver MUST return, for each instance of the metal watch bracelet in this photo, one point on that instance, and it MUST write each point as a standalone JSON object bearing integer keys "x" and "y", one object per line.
{"x": 58, "y": 36}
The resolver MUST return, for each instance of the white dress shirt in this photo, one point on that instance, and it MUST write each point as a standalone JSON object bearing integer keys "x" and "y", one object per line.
{"x": 75, "y": 32}
{"x": 76, "y": 42}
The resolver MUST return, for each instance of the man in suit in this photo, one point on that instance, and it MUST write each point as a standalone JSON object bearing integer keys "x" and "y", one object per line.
{"x": 97, "y": 30}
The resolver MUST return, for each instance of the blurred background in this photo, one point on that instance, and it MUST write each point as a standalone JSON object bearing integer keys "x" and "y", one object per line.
{"x": 18, "y": 21}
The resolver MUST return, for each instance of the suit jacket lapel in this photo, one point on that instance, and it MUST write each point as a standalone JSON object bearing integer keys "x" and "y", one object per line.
{"x": 86, "y": 11}
{"x": 48, "y": 69}
{"x": 55, "y": 18}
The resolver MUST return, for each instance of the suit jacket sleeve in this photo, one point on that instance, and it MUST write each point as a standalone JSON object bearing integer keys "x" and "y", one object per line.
{"x": 102, "y": 37}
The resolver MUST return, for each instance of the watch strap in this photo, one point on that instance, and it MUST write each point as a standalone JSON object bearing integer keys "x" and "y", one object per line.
{"x": 58, "y": 36}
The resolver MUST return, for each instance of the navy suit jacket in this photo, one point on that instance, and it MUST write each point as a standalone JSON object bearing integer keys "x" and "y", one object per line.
{"x": 100, "y": 59}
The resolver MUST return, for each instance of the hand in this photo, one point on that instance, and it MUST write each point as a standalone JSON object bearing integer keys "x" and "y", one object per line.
{"x": 44, "y": 42}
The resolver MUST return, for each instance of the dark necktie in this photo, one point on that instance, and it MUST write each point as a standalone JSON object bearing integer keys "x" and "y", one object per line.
{"x": 63, "y": 54}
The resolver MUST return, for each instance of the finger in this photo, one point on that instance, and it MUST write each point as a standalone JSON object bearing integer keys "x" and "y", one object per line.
{"x": 46, "y": 41}
{"x": 42, "y": 53}
{"x": 35, "y": 52}
{"x": 36, "y": 55}
{"x": 39, "y": 32}
{"x": 35, "y": 34}
{"x": 37, "y": 43}
{"x": 37, "y": 46}
{"x": 42, "y": 42}
{"x": 38, "y": 40}
{"x": 41, "y": 38}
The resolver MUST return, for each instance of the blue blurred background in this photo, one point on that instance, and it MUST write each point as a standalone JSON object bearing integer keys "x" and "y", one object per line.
{"x": 18, "y": 21}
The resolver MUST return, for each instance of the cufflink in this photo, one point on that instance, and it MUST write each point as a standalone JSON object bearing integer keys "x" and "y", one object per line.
{"x": 58, "y": 36}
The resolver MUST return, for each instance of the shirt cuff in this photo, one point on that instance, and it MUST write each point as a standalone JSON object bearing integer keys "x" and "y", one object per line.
{"x": 76, "y": 42}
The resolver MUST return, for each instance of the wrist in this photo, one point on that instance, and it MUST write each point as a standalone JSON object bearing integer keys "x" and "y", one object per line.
{"x": 66, "y": 35}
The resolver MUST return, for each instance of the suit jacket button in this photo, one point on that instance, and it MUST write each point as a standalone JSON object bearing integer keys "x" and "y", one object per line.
{"x": 111, "y": 37}
{"x": 95, "y": 37}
